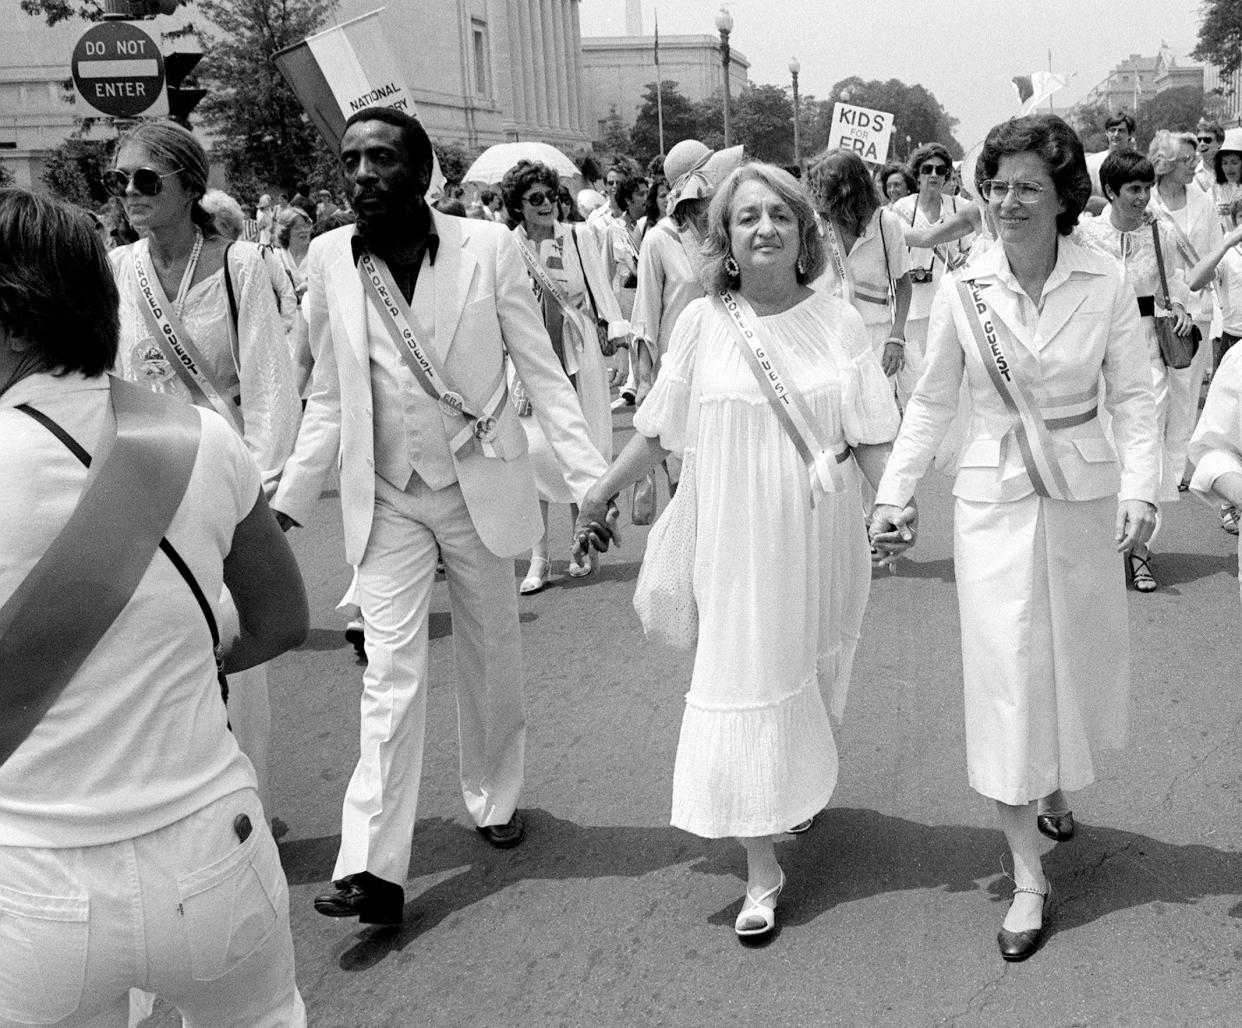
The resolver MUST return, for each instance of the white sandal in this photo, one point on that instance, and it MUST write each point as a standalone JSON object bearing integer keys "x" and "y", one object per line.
{"x": 537, "y": 577}
{"x": 754, "y": 907}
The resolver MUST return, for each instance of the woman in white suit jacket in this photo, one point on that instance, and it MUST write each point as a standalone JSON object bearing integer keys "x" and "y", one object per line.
{"x": 1034, "y": 323}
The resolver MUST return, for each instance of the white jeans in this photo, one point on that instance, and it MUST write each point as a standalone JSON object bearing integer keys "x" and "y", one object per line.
{"x": 395, "y": 580}
{"x": 189, "y": 912}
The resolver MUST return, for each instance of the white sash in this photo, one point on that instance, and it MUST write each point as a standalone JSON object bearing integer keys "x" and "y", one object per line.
{"x": 822, "y": 463}
{"x": 585, "y": 329}
{"x": 178, "y": 348}
{"x": 1032, "y": 430}
{"x": 479, "y": 428}
{"x": 837, "y": 249}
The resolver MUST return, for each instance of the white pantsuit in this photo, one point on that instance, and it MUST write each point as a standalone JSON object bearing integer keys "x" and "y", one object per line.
{"x": 1045, "y": 648}
{"x": 405, "y": 496}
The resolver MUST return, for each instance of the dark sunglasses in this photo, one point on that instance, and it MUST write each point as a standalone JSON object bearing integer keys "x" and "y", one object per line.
{"x": 539, "y": 199}
{"x": 1207, "y": 139}
{"x": 933, "y": 169}
{"x": 147, "y": 181}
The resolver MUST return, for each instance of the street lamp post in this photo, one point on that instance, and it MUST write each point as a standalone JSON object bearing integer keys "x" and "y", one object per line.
{"x": 724, "y": 25}
{"x": 794, "y": 68}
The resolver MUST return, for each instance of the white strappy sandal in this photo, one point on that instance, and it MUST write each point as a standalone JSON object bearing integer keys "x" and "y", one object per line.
{"x": 753, "y": 908}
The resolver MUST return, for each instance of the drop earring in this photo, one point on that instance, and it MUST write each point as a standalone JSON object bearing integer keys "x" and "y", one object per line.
{"x": 731, "y": 268}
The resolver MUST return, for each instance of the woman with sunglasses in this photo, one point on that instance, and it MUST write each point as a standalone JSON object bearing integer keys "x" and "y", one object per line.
{"x": 931, "y": 165}
{"x": 1037, "y": 323}
{"x": 1124, "y": 233}
{"x": 229, "y": 352}
{"x": 570, "y": 282}
{"x": 1189, "y": 225}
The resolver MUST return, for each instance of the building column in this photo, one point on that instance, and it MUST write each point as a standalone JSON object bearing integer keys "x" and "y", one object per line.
{"x": 529, "y": 83}
{"x": 517, "y": 92}
{"x": 575, "y": 49}
{"x": 553, "y": 16}
{"x": 540, "y": 60}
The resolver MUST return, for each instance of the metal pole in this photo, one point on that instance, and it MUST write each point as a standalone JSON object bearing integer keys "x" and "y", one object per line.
{"x": 724, "y": 64}
{"x": 797, "y": 129}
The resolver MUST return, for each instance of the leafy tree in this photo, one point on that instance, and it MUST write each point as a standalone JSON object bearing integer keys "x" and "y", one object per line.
{"x": 1178, "y": 110}
{"x": 454, "y": 159}
{"x": 1220, "y": 35}
{"x": 1088, "y": 120}
{"x": 262, "y": 134}
{"x": 680, "y": 121}
{"x": 6, "y": 177}
{"x": 53, "y": 11}
{"x": 760, "y": 119}
{"x": 615, "y": 139}
{"x": 74, "y": 169}
{"x": 916, "y": 112}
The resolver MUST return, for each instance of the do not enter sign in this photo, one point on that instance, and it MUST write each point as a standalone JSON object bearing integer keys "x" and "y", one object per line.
{"x": 119, "y": 71}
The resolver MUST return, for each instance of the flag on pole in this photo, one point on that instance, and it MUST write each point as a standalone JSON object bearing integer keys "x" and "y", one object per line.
{"x": 1035, "y": 88}
{"x": 344, "y": 69}
{"x": 657, "y": 39}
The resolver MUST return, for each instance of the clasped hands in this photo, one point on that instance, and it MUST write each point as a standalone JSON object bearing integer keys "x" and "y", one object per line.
{"x": 892, "y": 531}
{"x": 596, "y": 526}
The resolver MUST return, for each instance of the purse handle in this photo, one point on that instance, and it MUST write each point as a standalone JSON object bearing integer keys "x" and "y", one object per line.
{"x": 1164, "y": 282}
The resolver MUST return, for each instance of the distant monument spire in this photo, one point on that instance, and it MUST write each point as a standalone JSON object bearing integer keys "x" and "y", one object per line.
{"x": 633, "y": 18}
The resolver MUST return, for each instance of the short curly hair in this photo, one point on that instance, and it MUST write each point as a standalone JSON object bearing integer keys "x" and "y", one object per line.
{"x": 1123, "y": 166}
{"x": 717, "y": 248}
{"x": 519, "y": 179}
{"x": 1053, "y": 142}
{"x": 1162, "y": 152}
{"x": 286, "y": 220}
{"x": 925, "y": 152}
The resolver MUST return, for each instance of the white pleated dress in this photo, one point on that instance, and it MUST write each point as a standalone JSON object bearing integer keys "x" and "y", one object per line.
{"x": 781, "y": 586}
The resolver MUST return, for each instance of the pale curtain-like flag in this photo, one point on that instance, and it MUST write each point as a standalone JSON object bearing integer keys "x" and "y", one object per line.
{"x": 1035, "y": 88}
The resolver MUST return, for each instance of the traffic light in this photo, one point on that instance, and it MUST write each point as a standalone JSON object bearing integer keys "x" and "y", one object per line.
{"x": 181, "y": 99}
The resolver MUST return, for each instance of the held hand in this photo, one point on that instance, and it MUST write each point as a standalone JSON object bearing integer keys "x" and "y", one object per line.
{"x": 894, "y": 358}
{"x": 596, "y": 526}
{"x": 892, "y": 531}
{"x": 1182, "y": 323}
{"x": 1136, "y": 522}
{"x": 284, "y": 521}
{"x": 644, "y": 367}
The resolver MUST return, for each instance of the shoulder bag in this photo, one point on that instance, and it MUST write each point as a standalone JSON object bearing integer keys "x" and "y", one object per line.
{"x": 1176, "y": 351}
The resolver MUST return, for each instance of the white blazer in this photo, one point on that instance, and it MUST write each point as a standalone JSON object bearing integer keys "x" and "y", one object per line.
{"x": 1089, "y": 329}
{"x": 483, "y": 312}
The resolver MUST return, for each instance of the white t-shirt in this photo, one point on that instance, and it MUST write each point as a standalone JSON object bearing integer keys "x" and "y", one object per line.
{"x": 868, "y": 267}
{"x": 1229, "y": 289}
{"x": 138, "y": 739}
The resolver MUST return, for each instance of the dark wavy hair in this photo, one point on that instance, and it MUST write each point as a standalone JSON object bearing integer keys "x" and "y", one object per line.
{"x": 922, "y": 153}
{"x": 887, "y": 172}
{"x": 654, "y": 210}
{"x": 1125, "y": 166}
{"x": 1056, "y": 144}
{"x": 716, "y": 244}
{"x": 178, "y": 149}
{"x": 56, "y": 287}
{"x": 1120, "y": 120}
{"x": 842, "y": 189}
{"x": 1218, "y": 165}
{"x": 520, "y": 178}
{"x": 626, "y": 189}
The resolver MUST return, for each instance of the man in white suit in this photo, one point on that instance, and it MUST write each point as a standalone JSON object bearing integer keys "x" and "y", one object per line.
{"x": 409, "y": 396}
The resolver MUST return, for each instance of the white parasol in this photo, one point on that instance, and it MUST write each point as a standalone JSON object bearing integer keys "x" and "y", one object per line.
{"x": 493, "y": 162}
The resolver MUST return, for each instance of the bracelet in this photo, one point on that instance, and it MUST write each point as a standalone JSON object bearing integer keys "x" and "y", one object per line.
{"x": 895, "y": 341}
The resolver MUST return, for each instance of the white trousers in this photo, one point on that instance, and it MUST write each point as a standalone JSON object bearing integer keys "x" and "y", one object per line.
{"x": 1184, "y": 388}
{"x": 395, "y": 581}
{"x": 189, "y": 912}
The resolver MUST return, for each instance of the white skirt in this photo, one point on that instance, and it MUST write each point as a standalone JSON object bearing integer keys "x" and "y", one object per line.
{"x": 1045, "y": 642}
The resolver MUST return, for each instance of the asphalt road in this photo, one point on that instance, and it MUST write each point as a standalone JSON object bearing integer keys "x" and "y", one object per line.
{"x": 608, "y": 916}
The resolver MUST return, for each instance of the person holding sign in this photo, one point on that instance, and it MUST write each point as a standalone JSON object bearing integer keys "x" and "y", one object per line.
{"x": 413, "y": 315}
{"x": 134, "y": 850}
{"x": 208, "y": 334}
{"x": 773, "y": 392}
{"x": 581, "y": 314}
{"x": 868, "y": 265}
{"x": 931, "y": 166}
{"x": 1036, "y": 325}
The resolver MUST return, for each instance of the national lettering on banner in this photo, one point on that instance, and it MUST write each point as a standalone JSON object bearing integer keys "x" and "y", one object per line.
{"x": 344, "y": 69}
{"x": 862, "y": 131}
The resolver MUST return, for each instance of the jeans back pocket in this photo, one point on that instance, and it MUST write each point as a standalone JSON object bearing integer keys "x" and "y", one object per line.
{"x": 43, "y": 941}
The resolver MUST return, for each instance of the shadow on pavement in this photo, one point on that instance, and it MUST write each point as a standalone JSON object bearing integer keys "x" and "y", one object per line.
{"x": 1182, "y": 568}
{"x": 848, "y": 855}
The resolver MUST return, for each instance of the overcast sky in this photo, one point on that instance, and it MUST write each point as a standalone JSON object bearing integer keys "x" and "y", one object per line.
{"x": 964, "y": 51}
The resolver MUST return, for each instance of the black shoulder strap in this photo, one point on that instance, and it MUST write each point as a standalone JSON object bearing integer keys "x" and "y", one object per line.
{"x": 170, "y": 551}
{"x": 585, "y": 277}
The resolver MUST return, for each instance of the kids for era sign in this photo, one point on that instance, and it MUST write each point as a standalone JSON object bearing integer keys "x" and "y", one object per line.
{"x": 861, "y": 131}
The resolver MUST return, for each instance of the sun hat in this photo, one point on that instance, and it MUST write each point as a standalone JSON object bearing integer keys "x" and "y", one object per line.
{"x": 694, "y": 171}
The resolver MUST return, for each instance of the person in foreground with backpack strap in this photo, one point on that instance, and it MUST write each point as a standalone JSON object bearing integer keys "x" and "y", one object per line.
{"x": 134, "y": 852}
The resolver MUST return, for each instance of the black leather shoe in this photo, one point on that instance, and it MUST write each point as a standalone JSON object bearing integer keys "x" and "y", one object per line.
{"x": 1015, "y": 946}
{"x": 506, "y": 836}
{"x": 1056, "y": 824}
{"x": 372, "y": 900}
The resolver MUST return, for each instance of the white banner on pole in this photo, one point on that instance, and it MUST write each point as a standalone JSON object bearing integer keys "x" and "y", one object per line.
{"x": 862, "y": 131}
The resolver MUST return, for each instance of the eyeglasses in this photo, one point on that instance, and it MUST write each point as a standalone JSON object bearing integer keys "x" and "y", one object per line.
{"x": 1190, "y": 160}
{"x": 1207, "y": 140}
{"x": 996, "y": 191}
{"x": 538, "y": 199}
{"x": 147, "y": 181}
{"x": 933, "y": 169}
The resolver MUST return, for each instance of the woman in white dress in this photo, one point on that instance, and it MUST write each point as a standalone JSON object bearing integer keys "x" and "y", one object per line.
{"x": 931, "y": 165}
{"x": 1216, "y": 446}
{"x": 1123, "y": 231}
{"x": 756, "y": 753}
{"x": 246, "y": 371}
{"x": 567, "y": 275}
{"x": 1042, "y": 506}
